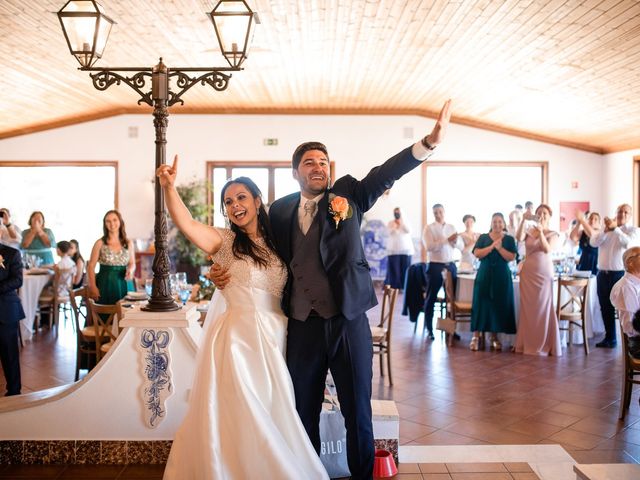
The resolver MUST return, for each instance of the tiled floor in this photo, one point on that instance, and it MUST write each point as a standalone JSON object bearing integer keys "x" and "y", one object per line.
{"x": 452, "y": 396}
{"x": 466, "y": 471}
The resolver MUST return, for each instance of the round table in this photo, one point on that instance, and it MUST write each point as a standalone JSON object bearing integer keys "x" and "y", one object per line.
{"x": 33, "y": 282}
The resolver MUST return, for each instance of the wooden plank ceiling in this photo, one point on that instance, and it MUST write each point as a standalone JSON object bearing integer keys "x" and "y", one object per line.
{"x": 566, "y": 71}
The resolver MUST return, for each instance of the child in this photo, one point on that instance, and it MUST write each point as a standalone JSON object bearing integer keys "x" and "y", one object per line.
{"x": 65, "y": 269}
{"x": 625, "y": 296}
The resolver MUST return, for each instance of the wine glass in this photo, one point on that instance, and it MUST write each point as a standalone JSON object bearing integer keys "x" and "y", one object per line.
{"x": 173, "y": 284}
{"x": 181, "y": 277}
{"x": 185, "y": 292}
{"x": 148, "y": 286}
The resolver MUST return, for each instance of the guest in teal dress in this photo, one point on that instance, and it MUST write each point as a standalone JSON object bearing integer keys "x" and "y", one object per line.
{"x": 114, "y": 252}
{"x": 493, "y": 307}
{"x": 38, "y": 240}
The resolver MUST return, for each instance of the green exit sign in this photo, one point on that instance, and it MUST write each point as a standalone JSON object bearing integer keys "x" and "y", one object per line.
{"x": 270, "y": 142}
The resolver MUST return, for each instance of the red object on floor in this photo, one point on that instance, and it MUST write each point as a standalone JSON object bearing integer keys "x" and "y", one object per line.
{"x": 383, "y": 465}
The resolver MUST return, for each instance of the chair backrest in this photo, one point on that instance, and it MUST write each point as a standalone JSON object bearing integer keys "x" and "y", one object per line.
{"x": 75, "y": 308}
{"x": 104, "y": 317}
{"x": 576, "y": 288}
{"x": 388, "y": 304}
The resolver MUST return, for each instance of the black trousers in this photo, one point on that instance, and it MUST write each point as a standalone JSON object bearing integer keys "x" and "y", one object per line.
{"x": 606, "y": 280}
{"x": 434, "y": 284}
{"x": 10, "y": 356}
{"x": 344, "y": 347}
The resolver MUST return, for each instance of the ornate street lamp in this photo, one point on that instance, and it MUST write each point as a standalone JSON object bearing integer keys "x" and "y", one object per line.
{"x": 86, "y": 29}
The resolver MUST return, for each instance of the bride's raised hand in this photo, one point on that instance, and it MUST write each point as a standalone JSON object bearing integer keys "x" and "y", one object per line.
{"x": 167, "y": 174}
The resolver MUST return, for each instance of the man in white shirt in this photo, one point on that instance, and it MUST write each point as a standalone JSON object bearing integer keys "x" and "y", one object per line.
{"x": 625, "y": 297}
{"x": 399, "y": 250}
{"x": 440, "y": 239}
{"x": 10, "y": 235}
{"x": 612, "y": 241}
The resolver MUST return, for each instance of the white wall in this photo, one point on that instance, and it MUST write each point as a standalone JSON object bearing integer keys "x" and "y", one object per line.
{"x": 618, "y": 179}
{"x": 356, "y": 143}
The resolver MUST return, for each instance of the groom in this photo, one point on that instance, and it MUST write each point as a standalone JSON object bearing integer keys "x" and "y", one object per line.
{"x": 317, "y": 234}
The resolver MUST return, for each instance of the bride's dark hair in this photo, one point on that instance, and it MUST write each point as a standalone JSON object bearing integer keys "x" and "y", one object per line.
{"x": 242, "y": 244}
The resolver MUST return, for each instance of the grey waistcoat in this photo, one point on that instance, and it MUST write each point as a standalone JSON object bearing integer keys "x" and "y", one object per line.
{"x": 310, "y": 287}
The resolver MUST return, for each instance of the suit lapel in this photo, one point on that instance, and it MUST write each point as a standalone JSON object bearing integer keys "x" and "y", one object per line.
{"x": 289, "y": 219}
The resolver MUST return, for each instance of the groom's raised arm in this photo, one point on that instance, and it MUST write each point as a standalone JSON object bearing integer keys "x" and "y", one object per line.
{"x": 382, "y": 177}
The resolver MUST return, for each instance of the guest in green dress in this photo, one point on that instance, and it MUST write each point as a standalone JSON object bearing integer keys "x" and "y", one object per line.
{"x": 38, "y": 240}
{"x": 114, "y": 252}
{"x": 493, "y": 306}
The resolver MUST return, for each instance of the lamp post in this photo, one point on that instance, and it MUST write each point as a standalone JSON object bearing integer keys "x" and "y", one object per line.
{"x": 86, "y": 28}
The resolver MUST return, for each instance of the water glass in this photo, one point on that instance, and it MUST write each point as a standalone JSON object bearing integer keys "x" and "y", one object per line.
{"x": 173, "y": 284}
{"x": 148, "y": 286}
{"x": 185, "y": 293}
{"x": 181, "y": 277}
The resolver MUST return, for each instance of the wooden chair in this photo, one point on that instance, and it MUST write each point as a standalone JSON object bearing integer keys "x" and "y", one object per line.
{"x": 86, "y": 357}
{"x": 456, "y": 310}
{"x": 52, "y": 301}
{"x": 573, "y": 309}
{"x": 381, "y": 334}
{"x": 104, "y": 317}
{"x": 631, "y": 368}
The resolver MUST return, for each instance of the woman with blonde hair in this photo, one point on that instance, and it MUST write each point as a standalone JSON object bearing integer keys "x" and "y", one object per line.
{"x": 538, "y": 331}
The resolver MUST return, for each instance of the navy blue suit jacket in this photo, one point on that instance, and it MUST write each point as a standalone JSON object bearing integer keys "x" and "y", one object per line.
{"x": 10, "y": 280}
{"x": 341, "y": 248}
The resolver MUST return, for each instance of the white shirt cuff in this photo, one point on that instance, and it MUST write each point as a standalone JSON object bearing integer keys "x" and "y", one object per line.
{"x": 420, "y": 152}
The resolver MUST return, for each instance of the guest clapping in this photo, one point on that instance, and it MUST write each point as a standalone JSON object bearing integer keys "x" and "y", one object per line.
{"x": 439, "y": 239}
{"x": 10, "y": 234}
{"x": 114, "y": 251}
{"x": 625, "y": 297}
{"x": 538, "y": 332}
{"x": 399, "y": 250}
{"x": 469, "y": 238}
{"x": 612, "y": 241}
{"x": 493, "y": 305}
{"x": 38, "y": 240}
{"x": 581, "y": 234}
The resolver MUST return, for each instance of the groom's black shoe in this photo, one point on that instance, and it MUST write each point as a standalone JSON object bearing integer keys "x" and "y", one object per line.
{"x": 606, "y": 344}
{"x": 430, "y": 335}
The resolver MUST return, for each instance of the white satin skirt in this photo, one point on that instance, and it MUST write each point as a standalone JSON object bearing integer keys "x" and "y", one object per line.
{"x": 242, "y": 422}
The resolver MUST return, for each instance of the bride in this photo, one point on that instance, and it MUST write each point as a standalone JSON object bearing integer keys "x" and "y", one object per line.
{"x": 241, "y": 421}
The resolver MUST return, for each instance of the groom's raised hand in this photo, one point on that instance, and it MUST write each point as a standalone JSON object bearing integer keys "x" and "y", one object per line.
{"x": 167, "y": 174}
{"x": 439, "y": 130}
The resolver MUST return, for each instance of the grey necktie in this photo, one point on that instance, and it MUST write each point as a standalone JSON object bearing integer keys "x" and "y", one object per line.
{"x": 309, "y": 211}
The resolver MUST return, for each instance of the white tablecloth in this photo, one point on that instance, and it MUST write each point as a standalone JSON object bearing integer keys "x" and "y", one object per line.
{"x": 30, "y": 291}
{"x": 593, "y": 315}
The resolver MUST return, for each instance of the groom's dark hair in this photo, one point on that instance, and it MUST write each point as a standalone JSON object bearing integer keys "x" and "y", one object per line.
{"x": 305, "y": 147}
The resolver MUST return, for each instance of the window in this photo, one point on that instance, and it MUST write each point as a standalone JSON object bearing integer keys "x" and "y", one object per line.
{"x": 274, "y": 179}
{"x": 73, "y": 196}
{"x": 481, "y": 189}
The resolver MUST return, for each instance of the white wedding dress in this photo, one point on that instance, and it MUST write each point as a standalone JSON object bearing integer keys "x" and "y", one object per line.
{"x": 242, "y": 422}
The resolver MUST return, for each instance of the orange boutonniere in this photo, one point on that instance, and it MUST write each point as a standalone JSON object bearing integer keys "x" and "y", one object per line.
{"x": 339, "y": 208}
{"x": 1, "y": 262}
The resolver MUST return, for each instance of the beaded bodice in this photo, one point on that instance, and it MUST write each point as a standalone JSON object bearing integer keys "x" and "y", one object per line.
{"x": 245, "y": 272}
{"x": 109, "y": 257}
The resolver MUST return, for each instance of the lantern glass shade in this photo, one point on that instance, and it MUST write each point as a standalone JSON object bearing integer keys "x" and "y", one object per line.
{"x": 233, "y": 21}
{"x": 86, "y": 29}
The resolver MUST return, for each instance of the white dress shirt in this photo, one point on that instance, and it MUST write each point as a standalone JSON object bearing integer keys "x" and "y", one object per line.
{"x": 6, "y": 239}
{"x": 302, "y": 213}
{"x": 435, "y": 239}
{"x": 611, "y": 245}
{"x": 625, "y": 296}
{"x": 400, "y": 242}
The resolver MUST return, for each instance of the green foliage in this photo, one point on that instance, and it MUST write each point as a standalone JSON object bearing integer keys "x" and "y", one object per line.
{"x": 206, "y": 289}
{"x": 194, "y": 196}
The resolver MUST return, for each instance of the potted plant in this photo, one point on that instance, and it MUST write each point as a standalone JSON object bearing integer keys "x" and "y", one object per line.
{"x": 189, "y": 258}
